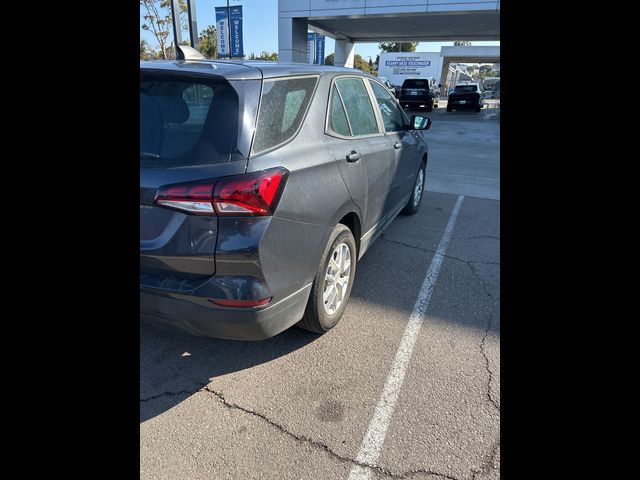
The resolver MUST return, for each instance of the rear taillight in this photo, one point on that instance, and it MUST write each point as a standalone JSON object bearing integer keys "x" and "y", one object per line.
{"x": 251, "y": 194}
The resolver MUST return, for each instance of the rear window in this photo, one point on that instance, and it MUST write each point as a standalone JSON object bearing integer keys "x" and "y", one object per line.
{"x": 415, "y": 84}
{"x": 185, "y": 121}
{"x": 466, "y": 88}
{"x": 282, "y": 109}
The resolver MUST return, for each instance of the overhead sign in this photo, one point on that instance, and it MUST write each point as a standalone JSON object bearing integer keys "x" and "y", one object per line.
{"x": 225, "y": 49}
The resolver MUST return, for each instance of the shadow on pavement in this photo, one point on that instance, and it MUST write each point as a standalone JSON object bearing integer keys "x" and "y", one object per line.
{"x": 175, "y": 365}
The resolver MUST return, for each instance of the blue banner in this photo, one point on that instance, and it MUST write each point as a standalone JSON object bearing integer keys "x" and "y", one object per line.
{"x": 319, "y": 49}
{"x": 236, "y": 48}
{"x": 310, "y": 47}
{"x": 222, "y": 27}
{"x": 236, "y": 32}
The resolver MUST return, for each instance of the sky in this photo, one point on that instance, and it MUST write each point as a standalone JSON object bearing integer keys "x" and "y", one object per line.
{"x": 260, "y": 28}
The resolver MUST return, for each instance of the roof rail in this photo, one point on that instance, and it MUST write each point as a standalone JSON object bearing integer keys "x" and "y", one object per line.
{"x": 184, "y": 52}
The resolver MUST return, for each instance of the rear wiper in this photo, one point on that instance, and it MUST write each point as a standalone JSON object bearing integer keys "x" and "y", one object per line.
{"x": 149, "y": 155}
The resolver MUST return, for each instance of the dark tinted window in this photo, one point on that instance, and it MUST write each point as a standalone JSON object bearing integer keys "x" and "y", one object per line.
{"x": 358, "y": 105}
{"x": 391, "y": 114}
{"x": 415, "y": 84}
{"x": 282, "y": 108}
{"x": 185, "y": 121}
{"x": 466, "y": 88}
{"x": 337, "y": 118}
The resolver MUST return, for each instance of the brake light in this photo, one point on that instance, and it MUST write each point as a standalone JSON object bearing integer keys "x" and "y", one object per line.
{"x": 251, "y": 194}
{"x": 194, "y": 197}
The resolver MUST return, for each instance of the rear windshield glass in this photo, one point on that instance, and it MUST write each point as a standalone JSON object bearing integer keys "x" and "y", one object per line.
{"x": 186, "y": 121}
{"x": 466, "y": 88}
{"x": 415, "y": 84}
{"x": 282, "y": 108}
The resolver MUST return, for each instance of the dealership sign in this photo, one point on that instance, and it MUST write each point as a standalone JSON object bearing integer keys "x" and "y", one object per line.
{"x": 315, "y": 48}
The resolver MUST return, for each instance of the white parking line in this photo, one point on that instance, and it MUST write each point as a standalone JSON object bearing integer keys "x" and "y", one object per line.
{"x": 374, "y": 439}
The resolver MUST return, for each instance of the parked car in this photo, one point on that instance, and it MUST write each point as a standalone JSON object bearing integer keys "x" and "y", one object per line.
{"x": 255, "y": 211}
{"x": 420, "y": 93}
{"x": 466, "y": 96}
{"x": 385, "y": 81}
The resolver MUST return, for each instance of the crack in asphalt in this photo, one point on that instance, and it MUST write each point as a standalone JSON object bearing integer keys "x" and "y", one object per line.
{"x": 429, "y": 250}
{"x": 324, "y": 447}
{"x": 487, "y": 365}
{"x": 173, "y": 394}
{"x": 476, "y": 237}
{"x": 489, "y": 462}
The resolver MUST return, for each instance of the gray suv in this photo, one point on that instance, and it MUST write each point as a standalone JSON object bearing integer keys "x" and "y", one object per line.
{"x": 261, "y": 185}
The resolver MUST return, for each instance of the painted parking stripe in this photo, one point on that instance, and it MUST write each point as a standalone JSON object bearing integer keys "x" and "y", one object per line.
{"x": 374, "y": 438}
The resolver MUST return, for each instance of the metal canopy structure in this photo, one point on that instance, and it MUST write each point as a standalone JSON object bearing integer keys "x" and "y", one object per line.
{"x": 351, "y": 21}
{"x": 411, "y": 27}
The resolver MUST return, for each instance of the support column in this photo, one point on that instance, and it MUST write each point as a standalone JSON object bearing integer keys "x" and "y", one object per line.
{"x": 444, "y": 76}
{"x": 292, "y": 39}
{"x": 344, "y": 53}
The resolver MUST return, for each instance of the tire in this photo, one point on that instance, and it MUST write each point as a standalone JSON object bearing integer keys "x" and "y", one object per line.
{"x": 429, "y": 107}
{"x": 448, "y": 109}
{"x": 478, "y": 109}
{"x": 413, "y": 205}
{"x": 317, "y": 317}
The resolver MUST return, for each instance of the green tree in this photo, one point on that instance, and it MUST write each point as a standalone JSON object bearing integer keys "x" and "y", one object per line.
{"x": 398, "y": 46}
{"x": 271, "y": 56}
{"x": 358, "y": 62}
{"x": 157, "y": 20}
{"x": 461, "y": 43}
{"x": 144, "y": 49}
{"x": 361, "y": 64}
{"x": 208, "y": 42}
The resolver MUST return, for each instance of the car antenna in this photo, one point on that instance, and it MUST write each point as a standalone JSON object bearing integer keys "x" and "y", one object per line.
{"x": 184, "y": 52}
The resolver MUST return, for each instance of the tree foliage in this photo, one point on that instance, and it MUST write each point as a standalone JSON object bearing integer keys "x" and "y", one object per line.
{"x": 208, "y": 42}
{"x": 157, "y": 20}
{"x": 398, "y": 46}
{"x": 271, "y": 56}
{"x": 358, "y": 62}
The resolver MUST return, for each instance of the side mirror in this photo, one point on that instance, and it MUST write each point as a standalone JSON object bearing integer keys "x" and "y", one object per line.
{"x": 418, "y": 122}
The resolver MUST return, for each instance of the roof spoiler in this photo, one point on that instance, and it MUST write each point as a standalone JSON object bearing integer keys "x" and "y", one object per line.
{"x": 184, "y": 52}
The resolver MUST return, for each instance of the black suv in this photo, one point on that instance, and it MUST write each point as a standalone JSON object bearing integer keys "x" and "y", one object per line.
{"x": 420, "y": 93}
{"x": 261, "y": 185}
{"x": 467, "y": 96}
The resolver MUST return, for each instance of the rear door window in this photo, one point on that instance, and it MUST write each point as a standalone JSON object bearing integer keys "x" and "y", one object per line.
{"x": 283, "y": 106}
{"x": 337, "y": 117}
{"x": 186, "y": 121}
{"x": 358, "y": 104}
{"x": 391, "y": 113}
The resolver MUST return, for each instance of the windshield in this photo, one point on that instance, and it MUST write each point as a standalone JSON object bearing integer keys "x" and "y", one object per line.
{"x": 466, "y": 88}
{"x": 186, "y": 120}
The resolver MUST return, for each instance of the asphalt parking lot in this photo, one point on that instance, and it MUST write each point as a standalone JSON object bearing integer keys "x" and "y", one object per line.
{"x": 302, "y": 406}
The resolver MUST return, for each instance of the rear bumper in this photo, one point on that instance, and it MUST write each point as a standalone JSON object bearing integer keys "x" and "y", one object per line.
{"x": 416, "y": 103}
{"x": 196, "y": 317}
{"x": 460, "y": 106}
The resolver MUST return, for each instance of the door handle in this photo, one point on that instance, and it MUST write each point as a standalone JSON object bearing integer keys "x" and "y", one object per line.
{"x": 353, "y": 156}
{"x": 397, "y": 145}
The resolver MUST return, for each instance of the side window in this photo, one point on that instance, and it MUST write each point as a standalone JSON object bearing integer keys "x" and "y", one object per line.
{"x": 282, "y": 108}
{"x": 337, "y": 117}
{"x": 392, "y": 116}
{"x": 359, "y": 110}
